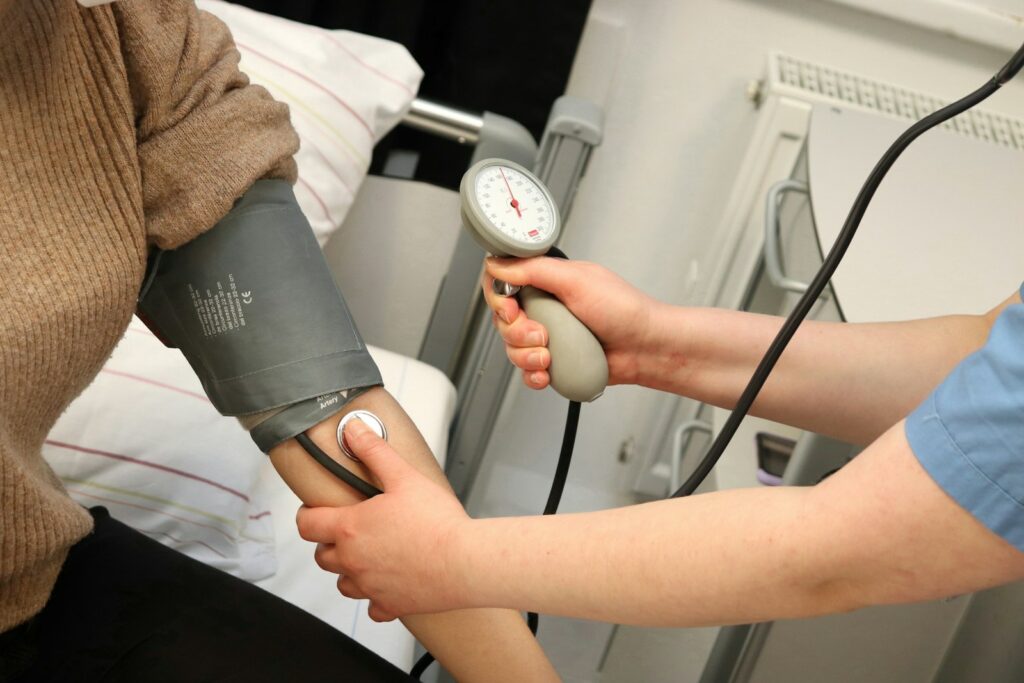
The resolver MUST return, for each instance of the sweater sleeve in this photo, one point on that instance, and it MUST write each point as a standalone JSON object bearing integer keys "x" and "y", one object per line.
{"x": 204, "y": 133}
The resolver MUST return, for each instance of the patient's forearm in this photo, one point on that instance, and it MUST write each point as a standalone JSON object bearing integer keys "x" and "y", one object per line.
{"x": 473, "y": 645}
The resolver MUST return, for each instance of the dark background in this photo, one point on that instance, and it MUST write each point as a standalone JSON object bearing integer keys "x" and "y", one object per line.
{"x": 511, "y": 58}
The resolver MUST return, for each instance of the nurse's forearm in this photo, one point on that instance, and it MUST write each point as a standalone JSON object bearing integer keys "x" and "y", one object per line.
{"x": 850, "y": 381}
{"x": 879, "y": 531}
{"x": 502, "y": 647}
{"x": 713, "y": 559}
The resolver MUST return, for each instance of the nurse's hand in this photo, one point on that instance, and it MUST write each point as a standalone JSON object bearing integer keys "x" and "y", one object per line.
{"x": 395, "y": 548}
{"x": 617, "y": 313}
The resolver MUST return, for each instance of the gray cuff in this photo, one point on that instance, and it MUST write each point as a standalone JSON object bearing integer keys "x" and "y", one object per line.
{"x": 275, "y": 426}
{"x": 254, "y": 308}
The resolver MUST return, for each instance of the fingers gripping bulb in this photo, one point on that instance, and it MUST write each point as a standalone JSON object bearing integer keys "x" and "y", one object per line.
{"x": 509, "y": 212}
{"x": 367, "y": 418}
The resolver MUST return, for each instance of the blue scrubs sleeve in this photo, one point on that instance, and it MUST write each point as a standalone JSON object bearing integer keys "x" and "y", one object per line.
{"x": 969, "y": 433}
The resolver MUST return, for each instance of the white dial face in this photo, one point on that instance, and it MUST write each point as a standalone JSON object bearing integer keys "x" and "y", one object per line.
{"x": 514, "y": 204}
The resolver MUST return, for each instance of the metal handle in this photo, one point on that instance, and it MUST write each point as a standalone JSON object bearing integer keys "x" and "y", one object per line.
{"x": 683, "y": 431}
{"x": 772, "y": 250}
{"x": 447, "y": 122}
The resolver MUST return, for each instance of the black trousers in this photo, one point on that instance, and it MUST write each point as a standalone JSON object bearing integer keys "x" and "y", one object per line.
{"x": 127, "y": 609}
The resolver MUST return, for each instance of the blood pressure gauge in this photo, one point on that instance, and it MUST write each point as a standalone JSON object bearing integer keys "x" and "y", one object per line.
{"x": 509, "y": 212}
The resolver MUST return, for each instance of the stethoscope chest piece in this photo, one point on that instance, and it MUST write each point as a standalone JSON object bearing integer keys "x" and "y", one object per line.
{"x": 367, "y": 418}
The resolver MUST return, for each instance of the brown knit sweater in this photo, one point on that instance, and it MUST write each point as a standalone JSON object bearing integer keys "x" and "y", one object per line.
{"x": 121, "y": 127}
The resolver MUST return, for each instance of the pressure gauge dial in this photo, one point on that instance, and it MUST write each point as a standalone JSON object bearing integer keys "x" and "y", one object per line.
{"x": 508, "y": 210}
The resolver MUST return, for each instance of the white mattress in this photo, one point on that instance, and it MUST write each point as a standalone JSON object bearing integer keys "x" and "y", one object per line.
{"x": 429, "y": 399}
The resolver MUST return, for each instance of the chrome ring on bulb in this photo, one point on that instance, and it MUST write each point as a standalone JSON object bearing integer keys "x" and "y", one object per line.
{"x": 502, "y": 288}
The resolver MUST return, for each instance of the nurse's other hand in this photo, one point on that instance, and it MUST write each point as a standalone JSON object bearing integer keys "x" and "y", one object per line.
{"x": 616, "y": 312}
{"x": 394, "y": 548}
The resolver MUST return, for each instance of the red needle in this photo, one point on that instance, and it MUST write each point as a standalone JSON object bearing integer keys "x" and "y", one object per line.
{"x": 515, "y": 202}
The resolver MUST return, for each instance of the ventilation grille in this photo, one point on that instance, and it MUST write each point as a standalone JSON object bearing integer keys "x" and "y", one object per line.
{"x": 814, "y": 82}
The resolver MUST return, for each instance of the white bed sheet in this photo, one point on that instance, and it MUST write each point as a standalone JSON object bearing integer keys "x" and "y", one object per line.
{"x": 429, "y": 399}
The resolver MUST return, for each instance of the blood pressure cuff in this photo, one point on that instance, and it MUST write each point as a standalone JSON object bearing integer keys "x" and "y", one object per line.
{"x": 255, "y": 310}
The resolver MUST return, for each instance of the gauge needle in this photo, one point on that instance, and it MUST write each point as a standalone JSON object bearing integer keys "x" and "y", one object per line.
{"x": 515, "y": 202}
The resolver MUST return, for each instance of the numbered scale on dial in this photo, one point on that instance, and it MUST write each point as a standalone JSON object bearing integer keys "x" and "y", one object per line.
{"x": 508, "y": 211}
{"x": 516, "y": 205}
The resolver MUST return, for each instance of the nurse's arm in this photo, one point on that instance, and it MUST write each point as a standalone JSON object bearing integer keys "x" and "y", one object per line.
{"x": 502, "y": 648}
{"x": 849, "y": 381}
{"x": 879, "y": 531}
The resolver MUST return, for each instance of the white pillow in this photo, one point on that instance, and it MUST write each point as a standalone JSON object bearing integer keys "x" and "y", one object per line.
{"x": 345, "y": 91}
{"x": 145, "y": 442}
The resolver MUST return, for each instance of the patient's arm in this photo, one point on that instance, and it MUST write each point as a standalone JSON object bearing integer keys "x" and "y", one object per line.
{"x": 473, "y": 645}
{"x": 186, "y": 89}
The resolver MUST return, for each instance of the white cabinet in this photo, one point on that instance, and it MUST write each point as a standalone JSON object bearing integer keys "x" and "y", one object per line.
{"x": 797, "y": 257}
{"x": 951, "y": 205}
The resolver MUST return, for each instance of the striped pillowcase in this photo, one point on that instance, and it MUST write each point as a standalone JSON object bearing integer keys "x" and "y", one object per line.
{"x": 345, "y": 91}
{"x": 145, "y": 442}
